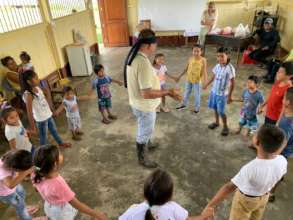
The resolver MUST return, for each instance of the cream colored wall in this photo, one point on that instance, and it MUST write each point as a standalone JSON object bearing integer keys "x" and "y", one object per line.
{"x": 285, "y": 23}
{"x": 231, "y": 13}
{"x": 64, "y": 26}
{"x": 33, "y": 40}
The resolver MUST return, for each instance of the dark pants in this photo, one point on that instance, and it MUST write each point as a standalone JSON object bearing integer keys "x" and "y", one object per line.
{"x": 273, "y": 67}
{"x": 269, "y": 121}
{"x": 260, "y": 55}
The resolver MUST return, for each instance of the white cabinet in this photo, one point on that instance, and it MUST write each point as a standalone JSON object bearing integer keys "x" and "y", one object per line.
{"x": 79, "y": 60}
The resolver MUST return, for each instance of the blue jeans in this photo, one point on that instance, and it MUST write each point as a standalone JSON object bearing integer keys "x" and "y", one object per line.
{"x": 17, "y": 200}
{"x": 146, "y": 125}
{"x": 43, "y": 127}
{"x": 197, "y": 94}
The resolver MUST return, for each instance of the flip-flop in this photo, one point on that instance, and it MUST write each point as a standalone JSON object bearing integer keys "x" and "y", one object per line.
{"x": 32, "y": 209}
{"x": 213, "y": 126}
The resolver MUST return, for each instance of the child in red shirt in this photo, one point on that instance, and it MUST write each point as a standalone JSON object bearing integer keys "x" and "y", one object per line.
{"x": 275, "y": 100}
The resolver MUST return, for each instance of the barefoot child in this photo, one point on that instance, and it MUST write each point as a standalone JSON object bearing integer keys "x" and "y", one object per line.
{"x": 15, "y": 165}
{"x": 161, "y": 70}
{"x": 102, "y": 85}
{"x": 196, "y": 74}
{"x": 274, "y": 103}
{"x": 60, "y": 200}
{"x": 15, "y": 133}
{"x": 252, "y": 98}
{"x": 38, "y": 109}
{"x": 70, "y": 105}
{"x": 223, "y": 85}
{"x": 255, "y": 180}
{"x": 158, "y": 193}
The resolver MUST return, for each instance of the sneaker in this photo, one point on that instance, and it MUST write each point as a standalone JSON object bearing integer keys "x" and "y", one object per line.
{"x": 213, "y": 126}
{"x": 181, "y": 107}
{"x": 225, "y": 131}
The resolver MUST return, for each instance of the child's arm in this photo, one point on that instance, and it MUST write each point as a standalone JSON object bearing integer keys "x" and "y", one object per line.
{"x": 170, "y": 76}
{"x": 59, "y": 109}
{"x": 12, "y": 182}
{"x": 209, "y": 213}
{"x": 225, "y": 191}
{"x": 12, "y": 144}
{"x": 87, "y": 210}
{"x": 205, "y": 70}
{"x": 232, "y": 85}
{"x": 29, "y": 107}
{"x": 120, "y": 83}
{"x": 209, "y": 82}
{"x": 183, "y": 73}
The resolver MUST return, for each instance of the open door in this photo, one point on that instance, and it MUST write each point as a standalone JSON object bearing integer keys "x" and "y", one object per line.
{"x": 113, "y": 15}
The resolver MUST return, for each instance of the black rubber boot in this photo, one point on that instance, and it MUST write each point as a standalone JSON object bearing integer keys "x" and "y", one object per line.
{"x": 152, "y": 145}
{"x": 141, "y": 157}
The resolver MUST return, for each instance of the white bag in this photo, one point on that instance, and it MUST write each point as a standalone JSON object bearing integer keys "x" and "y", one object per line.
{"x": 240, "y": 31}
{"x": 247, "y": 30}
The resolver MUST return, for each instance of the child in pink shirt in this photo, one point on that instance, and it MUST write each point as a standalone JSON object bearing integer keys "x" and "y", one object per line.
{"x": 60, "y": 200}
{"x": 15, "y": 165}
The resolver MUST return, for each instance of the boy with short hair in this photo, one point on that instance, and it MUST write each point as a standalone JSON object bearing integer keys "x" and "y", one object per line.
{"x": 255, "y": 180}
{"x": 252, "y": 98}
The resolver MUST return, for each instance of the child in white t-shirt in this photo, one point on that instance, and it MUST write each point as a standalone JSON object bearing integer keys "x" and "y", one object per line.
{"x": 256, "y": 179}
{"x": 162, "y": 73}
{"x": 25, "y": 62}
{"x": 158, "y": 191}
{"x": 15, "y": 133}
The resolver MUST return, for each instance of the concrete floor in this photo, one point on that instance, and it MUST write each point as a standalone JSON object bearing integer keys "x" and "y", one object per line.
{"x": 102, "y": 169}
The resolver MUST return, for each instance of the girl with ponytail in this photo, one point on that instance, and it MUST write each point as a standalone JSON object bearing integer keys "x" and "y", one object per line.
{"x": 60, "y": 200}
{"x": 144, "y": 92}
{"x": 158, "y": 192}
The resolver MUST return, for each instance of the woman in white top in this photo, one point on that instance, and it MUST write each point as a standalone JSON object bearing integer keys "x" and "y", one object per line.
{"x": 208, "y": 22}
{"x": 158, "y": 192}
{"x": 38, "y": 109}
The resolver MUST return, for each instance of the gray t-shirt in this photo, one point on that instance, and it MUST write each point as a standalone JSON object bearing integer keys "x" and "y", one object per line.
{"x": 251, "y": 102}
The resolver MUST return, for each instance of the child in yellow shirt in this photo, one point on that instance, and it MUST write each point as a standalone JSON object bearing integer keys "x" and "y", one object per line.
{"x": 196, "y": 72}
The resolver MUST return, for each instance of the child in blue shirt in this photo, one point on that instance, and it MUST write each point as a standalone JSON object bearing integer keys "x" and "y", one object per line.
{"x": 102, "y": 85}
{"x": 252, "y": 98}
{"x": 221, "y": 93}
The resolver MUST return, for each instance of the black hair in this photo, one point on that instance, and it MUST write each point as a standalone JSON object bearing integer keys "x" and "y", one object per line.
{"x": 224, "y": 50}
{"x": 288, "y": 66}
{"x": 67, "y": 89}
{"x": 289, "y": 95}
{"x": 146, "y": 36}
{"x": 1, "y": 94}
{"x": 158, "y": 190}
{"x": 24, "y": 78}
{"x": 5, "y": 60}
{"x": 157, "y": 56}
{"x": 197, "y": 46}
{"x": 270, "y": 138}
{"x": 17, "y": 160}
{"x": 98, "y": 68}
{"x": 254, "y": 78}
{"x": 6, "y": 111}
{"x": 25, "y": 56}
{"x": 45, "y": 159}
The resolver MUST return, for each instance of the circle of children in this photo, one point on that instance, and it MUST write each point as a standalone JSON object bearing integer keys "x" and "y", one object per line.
{"x": 253, "y": 186}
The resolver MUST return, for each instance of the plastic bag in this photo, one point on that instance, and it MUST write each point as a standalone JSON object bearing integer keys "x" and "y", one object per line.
{"x": 240, "y": 31}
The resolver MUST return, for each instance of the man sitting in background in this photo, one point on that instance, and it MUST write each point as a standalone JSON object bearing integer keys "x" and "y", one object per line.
{"x": 268, "y": 40}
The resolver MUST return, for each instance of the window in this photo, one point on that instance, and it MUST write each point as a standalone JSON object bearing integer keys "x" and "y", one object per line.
{"x": 15, "y": 14}
{"x": 61, "y": 8}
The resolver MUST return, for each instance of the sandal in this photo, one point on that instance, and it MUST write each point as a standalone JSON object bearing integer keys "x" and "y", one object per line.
{"x": 113, "y": 117}
{"x": 106, "y": 121}
{"x": 213, "y": 126}
{"x": 165, "y": 109}
{"x": 225, "y": 131}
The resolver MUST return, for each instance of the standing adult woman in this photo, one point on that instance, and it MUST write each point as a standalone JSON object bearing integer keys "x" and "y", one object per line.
{"x": 144, "y": 91}
{"x": 208, "y": 22}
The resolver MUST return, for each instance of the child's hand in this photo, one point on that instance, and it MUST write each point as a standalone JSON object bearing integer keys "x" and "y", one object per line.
{"x": 100, "y": 216}
{"x": 175, "y": 94}
{"x": 32, "y": 132}
{"x": 205, "y": 86}
{"x": 229, "y": 101}
{"x": 208, "y": 212}
{"x": 120, "y": 83}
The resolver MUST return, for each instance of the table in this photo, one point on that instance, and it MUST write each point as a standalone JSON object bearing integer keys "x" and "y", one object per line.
{"x": 227, "y": 41}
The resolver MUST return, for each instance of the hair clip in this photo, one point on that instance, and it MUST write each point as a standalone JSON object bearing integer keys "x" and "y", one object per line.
{"x": 37, "y": 168}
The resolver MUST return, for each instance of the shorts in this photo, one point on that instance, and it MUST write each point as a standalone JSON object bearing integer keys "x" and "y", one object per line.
{"x": 251, "y": 124}
{"x": 74, "y": 123}
{"x": 218, "y": 103}
{"x": 105, "y": 103}
{"x": 60, "y": 212}
{"x": 163, "y": 86}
